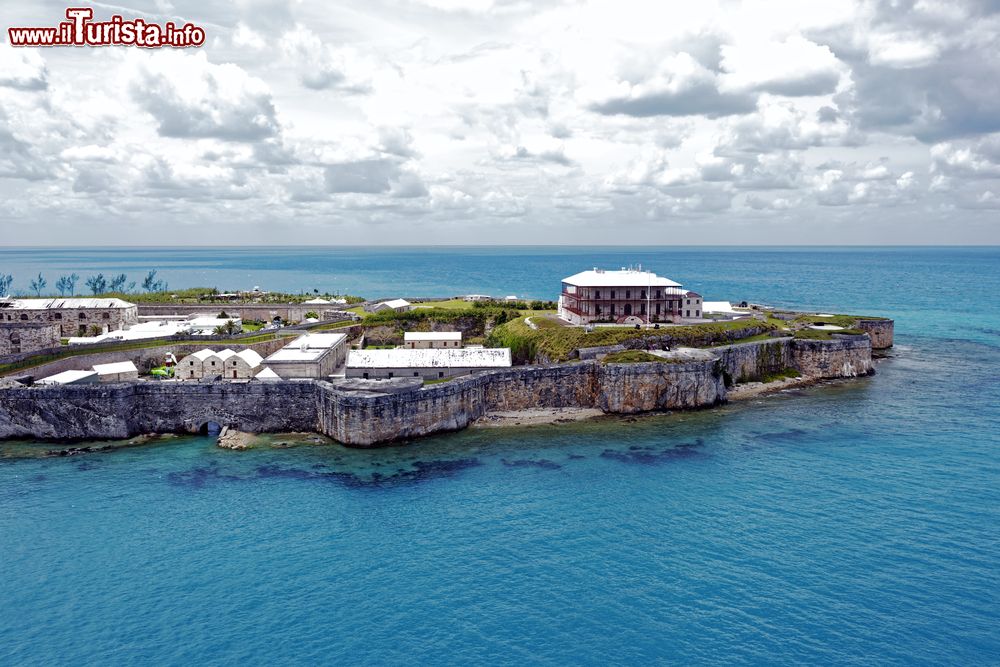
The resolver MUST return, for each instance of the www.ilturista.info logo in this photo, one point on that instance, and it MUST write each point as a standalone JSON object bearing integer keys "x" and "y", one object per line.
{"x": 79, "y": 30}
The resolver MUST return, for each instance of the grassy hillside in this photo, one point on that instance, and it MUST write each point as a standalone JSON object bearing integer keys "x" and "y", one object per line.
{"x": 558, "y": 343}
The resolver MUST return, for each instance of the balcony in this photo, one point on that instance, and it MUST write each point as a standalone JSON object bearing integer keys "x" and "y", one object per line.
{"x": 620, "y": 296}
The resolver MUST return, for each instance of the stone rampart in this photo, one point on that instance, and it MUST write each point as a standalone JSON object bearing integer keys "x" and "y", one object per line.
{"x": 359, "y": 415}
{"x": 880, "y": 331}
{"x": 751, "y": 362}
{"x": 125, "y": 409}
{"x": 265, "y": 312}
{"x": 842, "y": 357}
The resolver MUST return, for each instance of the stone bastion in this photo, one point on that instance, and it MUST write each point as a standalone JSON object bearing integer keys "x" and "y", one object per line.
{"x": 363, "y": 415}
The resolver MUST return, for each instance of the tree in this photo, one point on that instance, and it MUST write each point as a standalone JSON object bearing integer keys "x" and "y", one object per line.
{"x": 312, "y": 314}
{"x": 151, "y": 284}
{"x": 72, "y": 281}
{"x": 5, "y": 282}
{"x": 98, "y": 284}
{"x": 38, "y": 284}
{"x": 63, "y": 285}
{"x": 227, "y": 329}
{"x": 117, "y": 283}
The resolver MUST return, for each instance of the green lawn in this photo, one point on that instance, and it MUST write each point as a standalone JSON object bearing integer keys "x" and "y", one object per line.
{"x": 630, "y": 357}
{"x": 825, "y": 334}
{"x": 438, "y": 380}
{"x": 333, "y": 325}
{"x": 557, "y": 343}
{"x": 450, "y": 303}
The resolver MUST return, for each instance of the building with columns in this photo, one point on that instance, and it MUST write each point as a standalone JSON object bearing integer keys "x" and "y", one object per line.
{"x": 627, "y": 296}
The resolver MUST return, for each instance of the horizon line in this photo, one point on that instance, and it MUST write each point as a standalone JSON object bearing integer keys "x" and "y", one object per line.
{"x": 498, "y": 245}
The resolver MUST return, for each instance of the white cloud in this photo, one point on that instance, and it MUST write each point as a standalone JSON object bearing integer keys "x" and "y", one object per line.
{"x": 22, "y": 69}
{"x": 190, "y": 97}
{"x": 793, "y": 66}
{"x": 321, "y": 66}
{"x": 679, "y": 86}
{"x": 552, "y": 120}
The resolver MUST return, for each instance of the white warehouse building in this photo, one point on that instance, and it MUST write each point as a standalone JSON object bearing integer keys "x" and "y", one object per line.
{"x": 429, "y": 364}
{"x": 422, "y": 340}
{"x": 310, "y": 356}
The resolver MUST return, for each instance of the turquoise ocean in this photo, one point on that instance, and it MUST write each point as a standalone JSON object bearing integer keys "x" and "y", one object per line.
{"x": 855, "y": 523}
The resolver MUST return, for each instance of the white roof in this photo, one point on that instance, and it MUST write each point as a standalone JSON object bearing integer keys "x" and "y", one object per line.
{"x": 624, "y": 278}
{"x": 395, "y": 303}
{"x": 252, "y": 358}
{"x": 432, "y": 335}
{"x": 296, "y": 354}
{"x": 225, "y": 354}
{"x": 315, "y": 302}
{"x": 211, "y": 321}
{"x": 202, "y": 355}
{"x": 717, "y": 307}
{"x": 115, "y": 368}
{"x": 309, "y": 347}
{"x": 318, "y": 340}
{"x": 444, "y": 358}
{"x": 66, "y": 377}
{"x": 267, "y": 375}
{"x": 46, "y": 304}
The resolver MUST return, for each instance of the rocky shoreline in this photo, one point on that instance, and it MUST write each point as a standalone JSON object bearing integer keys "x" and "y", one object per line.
{"x": 535, "y": 417}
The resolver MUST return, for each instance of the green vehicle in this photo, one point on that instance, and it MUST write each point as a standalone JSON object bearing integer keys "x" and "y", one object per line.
{"x": 162, "y": 372}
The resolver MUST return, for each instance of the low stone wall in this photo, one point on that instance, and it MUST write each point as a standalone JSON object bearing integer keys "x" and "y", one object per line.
{"x": 357, "y": 414}
{"x": 880, "y": 331}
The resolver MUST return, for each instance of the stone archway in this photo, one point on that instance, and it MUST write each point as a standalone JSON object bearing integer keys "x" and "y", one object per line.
{"x": 210, "y": 428}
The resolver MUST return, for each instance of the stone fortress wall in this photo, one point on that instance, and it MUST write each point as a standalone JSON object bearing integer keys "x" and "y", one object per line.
{"x": 27, "y": 337}
{"x": 880, "y": 330}
{"x": 366, "y": 418}
{"x": 265, "y": 312}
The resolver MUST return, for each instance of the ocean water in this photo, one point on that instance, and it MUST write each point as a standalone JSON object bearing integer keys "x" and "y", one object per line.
{"x": 851, "y": 523}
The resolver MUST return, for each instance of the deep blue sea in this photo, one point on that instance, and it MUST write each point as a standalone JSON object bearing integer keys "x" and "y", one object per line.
{"x": 856, "y": 523}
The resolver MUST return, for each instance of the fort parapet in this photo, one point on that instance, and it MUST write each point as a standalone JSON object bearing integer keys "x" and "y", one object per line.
{"x": 365, "y": 418}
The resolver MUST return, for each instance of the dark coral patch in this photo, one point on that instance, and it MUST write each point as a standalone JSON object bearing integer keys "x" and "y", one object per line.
{"x": 527, "y": 463}
{"x": 653, "y": 456}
